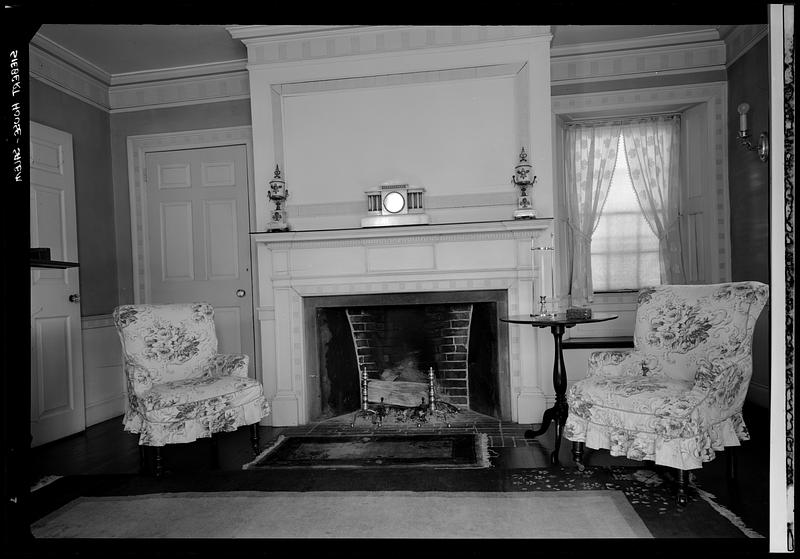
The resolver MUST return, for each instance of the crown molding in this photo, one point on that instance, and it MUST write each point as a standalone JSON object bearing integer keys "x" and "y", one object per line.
{"x": 696, "y": 51}
{"x": 281, "y": 32}
{"x": 210, "y": 69}
{"x": 186, "y": 85}
{"x": 69, "y": 57}
{"x": 70, "y": 79}
{"x": 180, "y": 91}
{"x": 637, "y": 62}
{"x": 268, "y": 45}
{"x": 741, "y": 39}
{"x": 639, "y": 43}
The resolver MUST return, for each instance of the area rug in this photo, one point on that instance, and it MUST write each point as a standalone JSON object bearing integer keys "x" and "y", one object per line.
{"x": 348, "y": 514}
{"x": 453, "y": 450}
{"x": 649, "y": 493}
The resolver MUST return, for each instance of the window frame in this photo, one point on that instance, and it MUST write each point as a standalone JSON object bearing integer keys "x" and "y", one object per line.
{"x": 704, "y": 186}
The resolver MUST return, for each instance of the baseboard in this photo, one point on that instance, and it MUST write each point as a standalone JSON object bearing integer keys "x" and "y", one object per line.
{"x": 98, "y": 412}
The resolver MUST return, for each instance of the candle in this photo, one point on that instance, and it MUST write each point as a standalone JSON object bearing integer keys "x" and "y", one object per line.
{"x": 547, "y": 278}
{"x": 543, "y": 283}
{"x": 743, "y": 108}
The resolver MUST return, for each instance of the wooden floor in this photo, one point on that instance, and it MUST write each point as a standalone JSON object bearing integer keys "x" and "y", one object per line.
{"x": 105, "y": 449}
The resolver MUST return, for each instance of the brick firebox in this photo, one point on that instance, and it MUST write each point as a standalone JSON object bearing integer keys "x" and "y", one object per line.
{"x": 409, "y": 340}
{"x": 457, "y": 333}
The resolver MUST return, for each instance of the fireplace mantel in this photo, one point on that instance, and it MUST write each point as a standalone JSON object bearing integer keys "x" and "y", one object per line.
{"x": 406, "y": 259}
{"x": 403, "y": 233}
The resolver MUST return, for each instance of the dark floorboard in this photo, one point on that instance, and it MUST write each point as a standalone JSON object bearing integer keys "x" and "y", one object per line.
{"x": 106, "y": 449}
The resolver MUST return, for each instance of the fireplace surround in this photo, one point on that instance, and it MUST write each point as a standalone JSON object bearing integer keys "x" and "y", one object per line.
{"x": 448, "y": 263}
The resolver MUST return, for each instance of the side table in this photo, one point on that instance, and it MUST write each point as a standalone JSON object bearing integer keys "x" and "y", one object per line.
{"x": 558, "y": 413}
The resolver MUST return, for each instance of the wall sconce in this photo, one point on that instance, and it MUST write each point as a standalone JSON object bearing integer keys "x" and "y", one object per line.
{"x": 744, "y": 135}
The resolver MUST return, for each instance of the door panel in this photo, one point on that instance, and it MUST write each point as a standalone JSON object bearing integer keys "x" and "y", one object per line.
{"x": 177, "y": 242}
{"x": 199, "y": 246}
{"x": 57, "y": 392}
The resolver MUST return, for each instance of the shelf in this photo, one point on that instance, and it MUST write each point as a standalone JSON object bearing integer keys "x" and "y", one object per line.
{"x": 511, "y": 224}
{"x": 50, "y": 264}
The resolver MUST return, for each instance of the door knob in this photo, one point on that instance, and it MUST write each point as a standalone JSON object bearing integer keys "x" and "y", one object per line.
{"x": 74, "y": 298}
{"x": 241, "y": 293}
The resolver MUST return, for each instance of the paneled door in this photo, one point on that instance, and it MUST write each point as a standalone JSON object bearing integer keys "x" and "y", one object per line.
{"x": 198, "y": 242}
{"x": 57, "y": 393}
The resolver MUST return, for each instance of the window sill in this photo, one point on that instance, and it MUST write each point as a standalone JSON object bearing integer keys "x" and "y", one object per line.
{"x": 598, "y": 343}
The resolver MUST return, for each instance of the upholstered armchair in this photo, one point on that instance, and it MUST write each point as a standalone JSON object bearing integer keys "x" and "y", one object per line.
{"x": 179, "y": 388}
{"x": 676, "y": 398}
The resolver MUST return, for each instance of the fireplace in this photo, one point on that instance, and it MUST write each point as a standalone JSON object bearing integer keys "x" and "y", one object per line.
{"x": 485, "y": 266}
{"x": 456, "y": 335}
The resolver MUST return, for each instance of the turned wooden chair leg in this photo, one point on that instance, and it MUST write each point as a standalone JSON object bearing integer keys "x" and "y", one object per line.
{"x": 254, "y": 435}
{"x": 683, "y": 477}
{"x": 730, "y": 463}
{"x": 142, "y": 459}
{"x": 577, "y": 454}
{"x": 214, "y": 451}
{"x": 159, "y": 463}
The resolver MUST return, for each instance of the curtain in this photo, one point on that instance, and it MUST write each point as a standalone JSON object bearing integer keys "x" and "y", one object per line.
{"x": 652, "y": 148}
{"x": 590, "y": 157}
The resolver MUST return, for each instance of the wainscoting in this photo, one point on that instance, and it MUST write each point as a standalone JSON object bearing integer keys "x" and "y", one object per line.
{"x": 103, "y": 377}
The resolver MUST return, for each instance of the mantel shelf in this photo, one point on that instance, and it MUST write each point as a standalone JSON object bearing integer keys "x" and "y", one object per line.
{"x": 50, "y": 264}
{"x": 400, "y": 231}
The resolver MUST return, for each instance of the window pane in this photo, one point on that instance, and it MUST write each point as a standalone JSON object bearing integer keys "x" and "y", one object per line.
{"x": 624, "y": 248}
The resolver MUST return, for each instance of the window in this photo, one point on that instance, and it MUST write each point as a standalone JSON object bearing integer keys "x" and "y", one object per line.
{"x": 624, "y": 247}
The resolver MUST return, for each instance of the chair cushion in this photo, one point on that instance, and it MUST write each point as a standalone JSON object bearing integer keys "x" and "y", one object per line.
{"x": 191, "y": 398}
{"x": 648, "y": 418}
{"x": 634, "y": 403}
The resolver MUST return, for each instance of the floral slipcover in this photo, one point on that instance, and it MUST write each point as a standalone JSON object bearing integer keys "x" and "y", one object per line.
{"x": 677, "y": 396}
{"x": 178, "y": 387}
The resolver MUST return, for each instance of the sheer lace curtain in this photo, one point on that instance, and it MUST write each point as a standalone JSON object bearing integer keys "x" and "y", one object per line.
{"x": 653, "y": 151}
{"x": 590, "y": 157}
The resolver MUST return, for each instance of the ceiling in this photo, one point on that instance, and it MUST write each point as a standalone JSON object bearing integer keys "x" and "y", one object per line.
{"x": 120, "y": 49}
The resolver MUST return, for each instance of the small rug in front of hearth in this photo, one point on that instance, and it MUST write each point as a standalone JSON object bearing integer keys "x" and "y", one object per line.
{"x": 347, "y": 514}
{"x": 453, "y": 450}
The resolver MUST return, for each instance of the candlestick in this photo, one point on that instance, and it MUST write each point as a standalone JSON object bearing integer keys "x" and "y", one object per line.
{"x": 544, "y": 281}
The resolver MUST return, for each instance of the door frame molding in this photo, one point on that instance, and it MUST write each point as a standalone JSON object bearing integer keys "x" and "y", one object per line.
{"x": 138, "y": 148}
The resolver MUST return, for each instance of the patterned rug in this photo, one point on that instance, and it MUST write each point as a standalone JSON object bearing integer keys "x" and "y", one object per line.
{"x": 648, "y": 493}
{"x": 454, "y": 450}
{"x": 651, "y": 493}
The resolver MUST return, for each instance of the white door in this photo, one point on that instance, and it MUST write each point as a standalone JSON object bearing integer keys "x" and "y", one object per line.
{"x": 198, "y": 237}
{"x": 57, "y": 396}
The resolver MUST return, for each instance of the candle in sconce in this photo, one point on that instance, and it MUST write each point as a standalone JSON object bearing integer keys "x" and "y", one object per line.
{"x": 743, "y": 108}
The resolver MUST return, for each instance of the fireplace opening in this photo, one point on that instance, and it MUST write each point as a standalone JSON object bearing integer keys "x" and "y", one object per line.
{"x": 401, "y": 338}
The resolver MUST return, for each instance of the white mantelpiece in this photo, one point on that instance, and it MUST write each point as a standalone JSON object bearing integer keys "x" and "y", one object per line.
{"x": 452, "y": 257}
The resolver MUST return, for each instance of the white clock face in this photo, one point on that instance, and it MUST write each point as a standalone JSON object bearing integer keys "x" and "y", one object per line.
{"x": 394, "y": 202}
